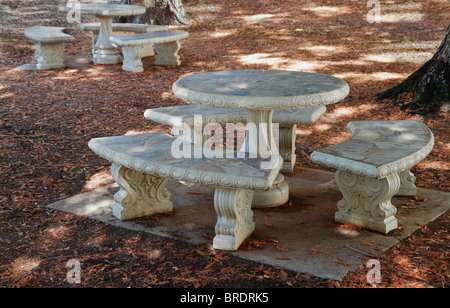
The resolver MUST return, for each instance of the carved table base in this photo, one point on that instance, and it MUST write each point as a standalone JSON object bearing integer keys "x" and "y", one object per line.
{"x": 105, "y": 51}
{"x": 277, "y": 195}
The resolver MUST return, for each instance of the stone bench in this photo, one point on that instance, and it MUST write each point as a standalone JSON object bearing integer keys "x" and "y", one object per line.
{"x": 94, "y": 27}
{"x": 49, "y": 42}
{"x": 143, "y": 163}
{"x": 372, "y": 166}
{"x": 166, "y": 43}
{"x": 287, "y": 120}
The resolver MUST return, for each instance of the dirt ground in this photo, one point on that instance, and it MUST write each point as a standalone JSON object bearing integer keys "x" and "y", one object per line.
{"x": 48, "y": 117}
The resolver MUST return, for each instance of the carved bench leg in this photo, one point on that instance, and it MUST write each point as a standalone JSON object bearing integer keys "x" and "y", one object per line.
{"x": 367, "y": 201}
{"x": 407, "y": 186}
{"x": 287, "y": 147}
{"x": 49, "y": 55}
{"x": 140, "y": 194}
{"x": 148, "y": 50}
{"x": 132, "y": 59}
{"x": 167, "y": 53}
{"x": 234, "y": 217}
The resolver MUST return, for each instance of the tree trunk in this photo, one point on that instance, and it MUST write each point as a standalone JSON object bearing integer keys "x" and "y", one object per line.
{"x": 430, "y": 83}
{"x": 159, "y": 12}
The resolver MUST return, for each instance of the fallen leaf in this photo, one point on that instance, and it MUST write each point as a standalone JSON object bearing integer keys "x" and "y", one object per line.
{"x": 341, "y": 262}
{"x": 315, "y": 251}
{"x": 279, "y": 248}
{"x": 250, "y": 244}
{"x": 419, "y": 198}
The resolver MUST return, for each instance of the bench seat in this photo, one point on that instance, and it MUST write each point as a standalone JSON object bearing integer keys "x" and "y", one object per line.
{"x": 166, "y": 43}
{"x": 142, "y": 164}
{"x": 49, "y": 42}
{"x": 178, "y": 116}
{"x": 372, "y": 166}
{"x": 94, "y": 27}
{"x": 125, "y": 27}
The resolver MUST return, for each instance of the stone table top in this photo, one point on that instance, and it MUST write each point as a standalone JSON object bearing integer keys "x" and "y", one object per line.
{"x": 261, "y": 89}
{"x": 109, "y": 9}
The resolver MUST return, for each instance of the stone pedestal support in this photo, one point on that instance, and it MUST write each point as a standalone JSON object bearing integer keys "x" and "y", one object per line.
{"x": 259, "y": 140}
{"x": 287, "y": 147}
{"x": 167, "y": 53}
{"x": 49, "y": 55}
{"x": 367, "y": 201}
{"x": 140, "y": 194}
{"x": 106, "y": 52}
{"x": 234, "y": 217}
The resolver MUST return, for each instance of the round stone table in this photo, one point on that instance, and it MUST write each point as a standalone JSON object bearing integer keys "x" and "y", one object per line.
{"x": 105, "y": 51}
{"x": 260, "y": 92}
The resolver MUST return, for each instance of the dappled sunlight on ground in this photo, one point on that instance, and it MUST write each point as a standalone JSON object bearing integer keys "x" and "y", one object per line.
{"x": 361, "y": 77}
{"x": 402, "y": 17}
{"x": 327, "y": 11}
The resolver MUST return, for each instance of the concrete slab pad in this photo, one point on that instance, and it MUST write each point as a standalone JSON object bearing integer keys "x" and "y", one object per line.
{"x": 300, "y": 236}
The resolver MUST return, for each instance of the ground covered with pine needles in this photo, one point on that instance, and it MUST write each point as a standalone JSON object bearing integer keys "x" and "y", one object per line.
{"x": 47, "y": 119}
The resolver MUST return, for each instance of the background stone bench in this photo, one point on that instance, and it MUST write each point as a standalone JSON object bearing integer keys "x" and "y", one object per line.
{"x": 287, "y": 120}
{"x": 372, "y": 166}
{"x": 166, "y": 43}
{"x": 125, "y": 27}
{"x": 49, "y": 42}
{"x": 143, "y": 163}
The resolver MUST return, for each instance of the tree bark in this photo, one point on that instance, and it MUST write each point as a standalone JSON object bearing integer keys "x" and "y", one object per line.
{"x": 159, "y": 12}
{"x": 430, "y": 83}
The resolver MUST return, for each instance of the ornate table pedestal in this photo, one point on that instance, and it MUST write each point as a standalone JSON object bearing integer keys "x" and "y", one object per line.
{"x": 259, "y": 140}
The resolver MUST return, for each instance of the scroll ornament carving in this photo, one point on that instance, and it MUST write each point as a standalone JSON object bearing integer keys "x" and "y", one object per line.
{"x": 140, "y": 194}
{"x": 367, "y": 201}
{"x": 408, "y": 187}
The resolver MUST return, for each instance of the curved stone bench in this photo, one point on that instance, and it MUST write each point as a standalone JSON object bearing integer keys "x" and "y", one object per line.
{"x": 49, "y": 42}
{"x": 166, "y": 43}
{"x": 143, "y": 163}
{"x": 178, "y": 116}
{"x": 94, "y": 27}
{"x": 374, "y": 165}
